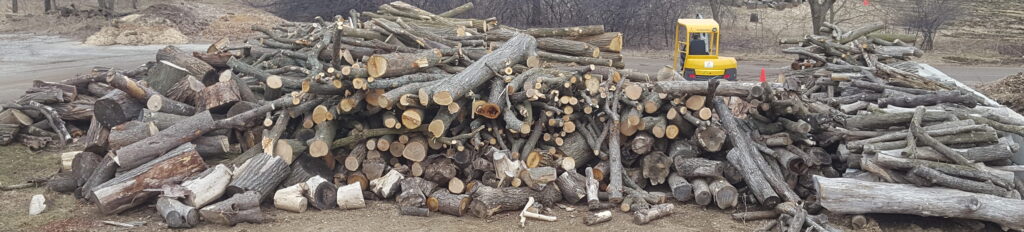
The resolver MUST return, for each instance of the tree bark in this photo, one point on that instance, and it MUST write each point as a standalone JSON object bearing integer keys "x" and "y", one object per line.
{"x": 130, "y": 132}
{"x": 218, "y": 96}
{"x": 207, "y": 186}
{"x": 488, "y": 201}
{"x": 164, "y": 75}
{"x": 176, "y": 214}
{"x": 195, "y": 66}
{"x": 128, "y": 189}
{"x": 137, "y": 153}
{"x": 242, "y": 207}
{"x": 850, "y": 196}
{"x": 261, "y": 173}
{"x": 448, "y": 203}
{"x": 350, "y": 197}
{"x": 448, "y": 90}
{"x": 682, "y": 190}
{"x": 398, "y": 64}
{"x": 115, "y": 108}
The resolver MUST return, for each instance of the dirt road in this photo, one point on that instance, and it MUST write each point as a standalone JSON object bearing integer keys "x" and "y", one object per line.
{"x": 24, "y": 58}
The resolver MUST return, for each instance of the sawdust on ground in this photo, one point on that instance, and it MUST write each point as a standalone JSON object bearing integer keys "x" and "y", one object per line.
{"x": 1008, "y": 91}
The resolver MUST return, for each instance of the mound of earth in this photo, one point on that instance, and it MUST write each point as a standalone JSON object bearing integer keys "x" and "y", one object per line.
{"x": 183, "y": 22}
{"x": 1008, "y": 91}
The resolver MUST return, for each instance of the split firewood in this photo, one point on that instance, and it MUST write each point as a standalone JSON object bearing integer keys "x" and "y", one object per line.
{"x": 350, "y": 197}
{"x": 291, "y": 198}
{"x": 207, "y": 186}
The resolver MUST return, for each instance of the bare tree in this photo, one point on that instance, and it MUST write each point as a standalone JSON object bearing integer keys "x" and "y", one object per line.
{"x": 928, "y": 17}
{"x": 819, "y": 12}
{"x": 716, "y": 10}
{"x": 14, "y": 6}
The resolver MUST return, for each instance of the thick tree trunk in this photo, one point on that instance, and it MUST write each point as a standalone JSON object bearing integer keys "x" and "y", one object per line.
{"x": 488, "y": 201}
{"x": 448, "y": 90}
{"x": 104, "y": 171}
{"x": 115, "y": 108}
{"x": 448, "y": 203}
{"x": 128, "y": 189}
{"x": 850, "y": 196}
{"x": 137, "y": 153}
{"x": 218, "y": 96}
{"x": 568, "y": 47}
{"x": 682, "y": 190}
{"x": 173, "y": 55}
{"x": 262, "y": 174}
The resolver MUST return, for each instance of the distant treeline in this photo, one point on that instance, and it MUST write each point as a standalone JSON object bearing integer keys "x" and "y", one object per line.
{"x": 645, "y": 23}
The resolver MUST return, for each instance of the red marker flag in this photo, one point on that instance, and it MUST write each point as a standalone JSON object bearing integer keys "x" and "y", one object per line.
{"x": 764, "y": 78}
{"x": 865, "y": 2}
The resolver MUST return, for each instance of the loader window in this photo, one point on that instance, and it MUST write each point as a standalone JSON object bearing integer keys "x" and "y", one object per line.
{"x": 698, "y": 44}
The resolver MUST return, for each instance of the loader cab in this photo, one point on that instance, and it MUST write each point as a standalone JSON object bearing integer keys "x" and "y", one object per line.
{"x": 696, "y": 51}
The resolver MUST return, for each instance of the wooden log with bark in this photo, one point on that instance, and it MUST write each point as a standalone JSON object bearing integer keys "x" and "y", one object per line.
{"x": 837, "y": 194}
{"x": 129, "y": 189}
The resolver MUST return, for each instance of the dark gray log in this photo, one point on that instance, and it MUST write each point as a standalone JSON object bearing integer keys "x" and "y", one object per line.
{"x": 115, "y": 108}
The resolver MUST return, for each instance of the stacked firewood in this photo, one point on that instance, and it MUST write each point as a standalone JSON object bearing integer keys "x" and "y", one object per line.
{"x": 899, "y": 127}
{"x": 441, "y": 114}
{"x": 469, "y": 117}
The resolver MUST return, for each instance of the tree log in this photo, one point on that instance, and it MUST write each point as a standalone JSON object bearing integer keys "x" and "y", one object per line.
{"x": 488, "y": 201}
{"x": 398, "y": 64}
{"x": 698, "y": 167}
{"x": 176, "y": 214}
{"x": 656, "y": 167}
{"x": 185, "y": 60}
{"x": 207, "y": 186}
{"x": 850, "y": 196}
{"x": 573, "y": 186}
{"x": 725, "y": 194}
{"x": 448, "y": 90}
{"x": 218, "y": 96}
{"x": 261, "y": 173}
{"x": 568, "y": 47}
{"x": 185, "y": 91}
{"x": 350, "y": 197}
{"x": 128, "y": 189}
{"x": 656, "y": 212}
{"x": 701, "y": 191}
{"x": 240, "y": 208}
{"x": 682, "y": 190}
{"x": 130, "y": 132}
{"x": 321, "y": 193}
{"x": 104, "y": 171}
{"x": 607, "y": 42}
{"x": 290, "y": 198}
{"x": 448, "y": 203}
{"x": 137, "y": 153}
{"x": 115, "y": 108}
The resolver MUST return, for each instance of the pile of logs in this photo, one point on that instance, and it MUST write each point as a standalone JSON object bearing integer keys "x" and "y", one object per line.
{"x": 468, "y": 117}
{"x": 951, "y": 152}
